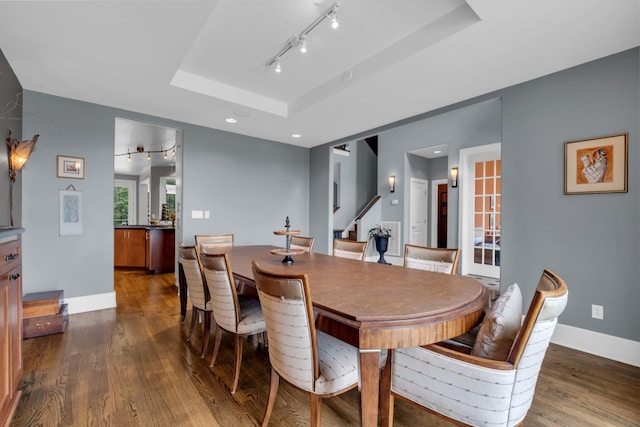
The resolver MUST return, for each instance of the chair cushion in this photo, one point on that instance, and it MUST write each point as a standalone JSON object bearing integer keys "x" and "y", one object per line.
{"x": 500, "y": 326}
{"x": 338, "y": 364}
{"x": 251, "y": 317}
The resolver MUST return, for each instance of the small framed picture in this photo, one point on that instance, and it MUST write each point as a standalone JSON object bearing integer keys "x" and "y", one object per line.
{"x": 70, "y": 167}
{"x": 596, "y": 165}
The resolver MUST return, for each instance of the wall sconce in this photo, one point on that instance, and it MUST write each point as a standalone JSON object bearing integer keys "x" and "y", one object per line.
{"x": 454, "y": 177}
{"x": 392, "y": 183}
{"x": 19, "y": 152}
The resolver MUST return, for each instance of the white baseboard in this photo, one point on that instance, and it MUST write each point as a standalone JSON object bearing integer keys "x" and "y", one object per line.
{"x": 596, "y": 343}
{"x": 91, "y": 303}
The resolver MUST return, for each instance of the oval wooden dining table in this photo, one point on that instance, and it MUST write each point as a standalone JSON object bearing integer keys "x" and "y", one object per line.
{"x": 389, "y": 306}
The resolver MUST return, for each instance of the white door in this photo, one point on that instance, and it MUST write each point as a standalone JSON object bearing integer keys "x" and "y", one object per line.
{"x": 418, "y": 212}
{"x": 480, "y": 213}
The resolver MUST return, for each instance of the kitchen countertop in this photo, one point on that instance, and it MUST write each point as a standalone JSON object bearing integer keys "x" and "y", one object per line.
{"x": 144, "y": 227}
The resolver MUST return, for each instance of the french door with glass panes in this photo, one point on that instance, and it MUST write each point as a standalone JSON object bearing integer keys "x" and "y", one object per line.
{"x": 481, "y": 194}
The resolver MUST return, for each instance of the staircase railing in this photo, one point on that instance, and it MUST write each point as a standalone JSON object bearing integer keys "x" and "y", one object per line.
{"x": 364, "y": 220}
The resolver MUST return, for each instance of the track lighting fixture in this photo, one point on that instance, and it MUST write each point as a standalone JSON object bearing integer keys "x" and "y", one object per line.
{"x": 300, "y": 40}
{"x": 140, "y": 150}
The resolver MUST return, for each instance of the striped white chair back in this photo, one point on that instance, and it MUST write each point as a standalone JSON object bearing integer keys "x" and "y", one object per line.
{"x": 304, "y": 243}
{"x": 213, "y": 243}
{"x": 424, "y": 264}
{"x": 290, "y": 328}
{"x": 440, "y": 260}
{"x": 350, "y": 249}
{"x": 222, "y": 289}
{"x": 190, "y": 266}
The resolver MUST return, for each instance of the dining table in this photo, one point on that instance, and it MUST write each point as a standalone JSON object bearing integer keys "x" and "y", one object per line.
{"x": 389, "y": 306}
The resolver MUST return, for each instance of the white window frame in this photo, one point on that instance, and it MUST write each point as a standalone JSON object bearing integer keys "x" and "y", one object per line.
{"x": 133, "y": 195}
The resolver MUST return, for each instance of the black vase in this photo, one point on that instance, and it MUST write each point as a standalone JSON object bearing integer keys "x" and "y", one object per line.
{"x": 382, "y": 244}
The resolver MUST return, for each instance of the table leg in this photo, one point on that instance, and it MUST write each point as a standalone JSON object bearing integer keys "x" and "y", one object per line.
{"x": 182, "y": 289}
{"x": 369, "y": 386}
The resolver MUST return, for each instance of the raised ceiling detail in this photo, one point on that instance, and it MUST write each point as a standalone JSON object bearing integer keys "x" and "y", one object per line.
{"x": 199, "y": 61}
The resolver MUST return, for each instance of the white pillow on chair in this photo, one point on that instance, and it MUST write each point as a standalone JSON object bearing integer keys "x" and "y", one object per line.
{"x": 500, "y": 326}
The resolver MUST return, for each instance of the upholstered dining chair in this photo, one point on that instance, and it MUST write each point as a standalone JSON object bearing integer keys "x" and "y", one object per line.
{"x": 240, "y": 317}
{"x": 431, "y": 259}
{"x": 309, "y": 360}
{"x": 350, "y": 249}
{"x": 495, "y": 384}
{"x": 299, "y": 242}
{"x": 190, "y": 267}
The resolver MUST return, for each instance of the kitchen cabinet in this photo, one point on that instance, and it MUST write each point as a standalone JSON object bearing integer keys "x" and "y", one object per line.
{"x": 11, "y": 366}
{"x": 161, "y": 248}
{"x": 129, "y": 246}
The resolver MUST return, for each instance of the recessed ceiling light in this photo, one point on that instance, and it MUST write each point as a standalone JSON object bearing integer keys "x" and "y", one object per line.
{"x": 437, "y": 152}
{"x": 231, "y": 120}
{"x": 296, "y": 135}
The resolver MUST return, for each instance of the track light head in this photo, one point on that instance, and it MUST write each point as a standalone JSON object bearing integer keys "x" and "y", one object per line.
{"x": 333, "y": 16}
{"x": 278, "y": 68}
{"x": 303, "y": 44}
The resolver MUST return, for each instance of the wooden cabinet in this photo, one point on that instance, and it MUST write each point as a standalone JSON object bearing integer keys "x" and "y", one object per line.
{"x": 10, "y": 327}
{"x": 160, "y": 250}
{"x": 129, "y": 246}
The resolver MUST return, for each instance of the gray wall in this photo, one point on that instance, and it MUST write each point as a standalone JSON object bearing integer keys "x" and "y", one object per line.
{"x": 10, "y": 119}
{"x": 249, "y": 185}
{"x": 79, "y": 265}
{"x": 592, "y": 241}
{"x": 321, "y": 198}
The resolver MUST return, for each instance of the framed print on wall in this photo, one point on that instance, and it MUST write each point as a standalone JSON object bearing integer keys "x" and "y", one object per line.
{"x": 70, "y": 167}
{"x": 596, "y": 165}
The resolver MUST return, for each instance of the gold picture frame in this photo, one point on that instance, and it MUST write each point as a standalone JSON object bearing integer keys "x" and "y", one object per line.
{"x": 597, "y": 165}
{"x": 70, "y": 167}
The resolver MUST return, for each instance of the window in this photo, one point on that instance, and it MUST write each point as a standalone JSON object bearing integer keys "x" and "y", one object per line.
{"x": 167, "y": 196}
{"x": 124, "y": 202}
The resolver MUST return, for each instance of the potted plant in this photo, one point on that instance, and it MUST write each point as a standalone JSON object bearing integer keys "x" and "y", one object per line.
{"x": 381, "y": 236}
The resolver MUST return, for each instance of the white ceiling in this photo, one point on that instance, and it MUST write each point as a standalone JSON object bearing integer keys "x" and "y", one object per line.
{"x": 201, "y": 62}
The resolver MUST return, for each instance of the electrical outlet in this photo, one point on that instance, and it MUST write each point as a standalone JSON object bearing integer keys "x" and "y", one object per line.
{"x": 597, "y": 311}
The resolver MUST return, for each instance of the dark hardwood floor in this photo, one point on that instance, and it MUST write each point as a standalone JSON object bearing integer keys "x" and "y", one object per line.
{"x": 131, "y": 366}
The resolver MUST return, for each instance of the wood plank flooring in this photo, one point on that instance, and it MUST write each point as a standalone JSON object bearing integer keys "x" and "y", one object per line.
{"x": 131, "y": 366}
